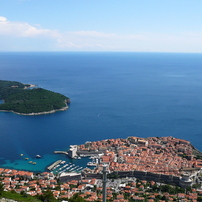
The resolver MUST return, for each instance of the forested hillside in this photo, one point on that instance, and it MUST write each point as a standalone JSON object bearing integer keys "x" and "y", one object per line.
{"x": 19, "y": 98}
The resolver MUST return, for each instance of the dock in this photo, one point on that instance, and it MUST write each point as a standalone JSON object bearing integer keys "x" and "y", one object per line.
{"x": 61, "y": 152}
{"x": 54, "y": 164}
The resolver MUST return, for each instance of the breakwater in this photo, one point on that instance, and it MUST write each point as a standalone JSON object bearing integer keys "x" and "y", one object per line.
{"x": 60, "y": 152}
{"x": 54, "y": 164}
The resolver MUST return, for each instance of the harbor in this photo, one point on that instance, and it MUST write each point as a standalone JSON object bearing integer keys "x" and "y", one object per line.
{"x": 32, "y": 162}
{"x": 60, "y": 167}
{"x": 65, "y": 166}
{"x": 52, "y": 166}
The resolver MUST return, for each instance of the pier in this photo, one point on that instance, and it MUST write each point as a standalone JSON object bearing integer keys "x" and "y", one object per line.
{"x": 61, "y": 152}
{"x": 54, "y": 164}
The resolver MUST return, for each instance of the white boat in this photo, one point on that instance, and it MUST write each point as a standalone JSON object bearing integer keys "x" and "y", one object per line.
{"x": 91, "y": 164}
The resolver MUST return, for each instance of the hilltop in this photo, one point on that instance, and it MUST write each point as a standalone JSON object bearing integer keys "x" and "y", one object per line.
{"x": 23, "y": 99}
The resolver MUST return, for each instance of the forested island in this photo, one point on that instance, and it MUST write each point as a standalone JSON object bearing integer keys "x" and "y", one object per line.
{"x": 23, "y": 99}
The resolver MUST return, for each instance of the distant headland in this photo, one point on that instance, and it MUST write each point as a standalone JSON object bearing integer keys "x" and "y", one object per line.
{"x": 28, "y": 99}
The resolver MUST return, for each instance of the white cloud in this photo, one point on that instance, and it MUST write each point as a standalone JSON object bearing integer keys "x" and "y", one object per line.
{"x": 92, "y": 34}
{"x": 37, "y": 38}
{"x": 23, "y": 29}
{"x": 2, "y": 19}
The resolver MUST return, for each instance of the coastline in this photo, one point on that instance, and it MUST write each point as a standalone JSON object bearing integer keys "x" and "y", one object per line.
{"x": 30, "y": 86}
{"x": 39, "y": 113}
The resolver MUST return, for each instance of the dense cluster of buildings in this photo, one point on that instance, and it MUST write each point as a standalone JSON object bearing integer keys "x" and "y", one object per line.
{"x": 118, "y": 190}
{"x": 153, "y": 160}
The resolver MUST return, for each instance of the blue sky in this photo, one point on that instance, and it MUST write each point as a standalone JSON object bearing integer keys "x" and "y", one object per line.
{"x": 101, "y": 25}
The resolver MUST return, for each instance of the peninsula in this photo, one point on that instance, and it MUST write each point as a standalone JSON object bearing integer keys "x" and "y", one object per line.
{"x": 166, "y": 159}
{"x": 28, "y": 99}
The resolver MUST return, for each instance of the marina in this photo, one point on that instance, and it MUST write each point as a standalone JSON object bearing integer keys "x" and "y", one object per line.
{"x": 60, "y": 167}
{"x": 64, "y": 164}
{"x": 53, "y": 165}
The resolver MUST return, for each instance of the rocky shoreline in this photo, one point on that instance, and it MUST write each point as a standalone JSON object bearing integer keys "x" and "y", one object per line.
{"x": 39, "y": 113}
{"x": 7, "y": 200}
{"x": 30, "y": 86}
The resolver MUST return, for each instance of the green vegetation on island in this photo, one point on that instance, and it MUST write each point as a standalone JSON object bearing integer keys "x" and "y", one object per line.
{"x": 20, "y": 98}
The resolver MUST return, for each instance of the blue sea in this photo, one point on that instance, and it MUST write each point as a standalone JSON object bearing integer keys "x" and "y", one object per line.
{"x": 113, "y": 95}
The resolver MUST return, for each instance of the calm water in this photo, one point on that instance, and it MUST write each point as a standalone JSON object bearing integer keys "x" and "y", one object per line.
{"x": 113, "y": 95}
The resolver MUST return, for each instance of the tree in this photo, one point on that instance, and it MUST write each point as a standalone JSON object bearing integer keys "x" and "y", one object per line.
{"x": 47, "y": 196}
{"x": 1, "y": 188}
{"x": 197, "y": 186}
{"x": 94, "y": 188}
{"x": 199, "y": 199}
{"x": 76, "y": 198}
{"x": 24, "y": 194}
{"x": 126, "y": 195}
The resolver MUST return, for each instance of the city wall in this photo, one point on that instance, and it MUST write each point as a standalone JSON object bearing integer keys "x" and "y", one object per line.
{"x": 170, "y": 179}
